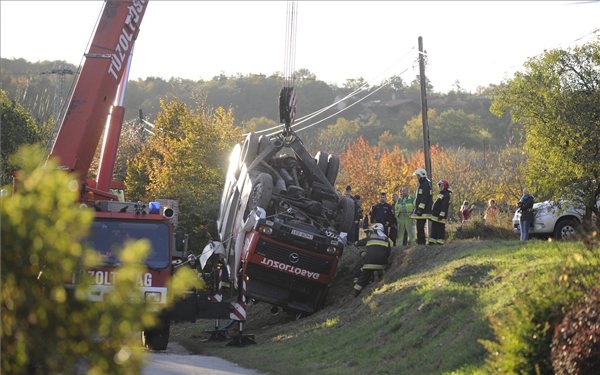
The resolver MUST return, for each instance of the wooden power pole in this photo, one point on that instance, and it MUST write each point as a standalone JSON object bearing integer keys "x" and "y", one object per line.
{"x": 426, "y": 143}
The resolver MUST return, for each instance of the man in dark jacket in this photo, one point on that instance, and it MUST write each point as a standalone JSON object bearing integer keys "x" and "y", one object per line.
{"x": 375, "y": 257}
{"x": 439, "y": 213}
{"x": 383, "y": 213}
{"x": 423, "y": 200}
{"x": 526, "y": 209}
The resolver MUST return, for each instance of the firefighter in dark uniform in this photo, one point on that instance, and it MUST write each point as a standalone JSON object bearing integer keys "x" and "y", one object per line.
{"x": 423, "y": 200}
{"x": 374, "y": 258}
{"x": 439, "y": 213}
{"x": 383, "y": 213}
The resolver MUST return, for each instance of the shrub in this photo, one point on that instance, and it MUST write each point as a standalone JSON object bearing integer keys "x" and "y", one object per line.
{"x": 479, "y": 229}
{"x": 576, "y": 341}
{"x": 47, "y": 327}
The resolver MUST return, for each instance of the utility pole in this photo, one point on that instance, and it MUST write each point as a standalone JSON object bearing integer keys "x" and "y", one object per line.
{"x": 426, "y": 143}
{"x": 58, "y": 92}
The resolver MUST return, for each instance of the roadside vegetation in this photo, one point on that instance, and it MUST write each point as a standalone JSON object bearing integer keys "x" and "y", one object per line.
{"x": 47, "y": 326}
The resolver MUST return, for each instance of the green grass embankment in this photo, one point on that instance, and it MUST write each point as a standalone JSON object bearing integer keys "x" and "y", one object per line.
{"x": 428, "y": 315}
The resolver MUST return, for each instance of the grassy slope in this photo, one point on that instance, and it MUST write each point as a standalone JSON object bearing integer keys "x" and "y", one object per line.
{"x": 426, "y": 316}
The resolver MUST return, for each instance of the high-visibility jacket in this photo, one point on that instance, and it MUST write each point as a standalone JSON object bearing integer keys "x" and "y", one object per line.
{"x": 404, "y": 206}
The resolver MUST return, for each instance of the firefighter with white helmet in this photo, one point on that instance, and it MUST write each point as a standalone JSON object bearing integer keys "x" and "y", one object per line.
{"x": 423, "y": 200}
{"x": 375, "y": 257}
{"x": 439, "y": 213}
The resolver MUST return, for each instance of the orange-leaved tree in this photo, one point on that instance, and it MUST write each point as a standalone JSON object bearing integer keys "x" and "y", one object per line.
{"x": 371, "y": 170}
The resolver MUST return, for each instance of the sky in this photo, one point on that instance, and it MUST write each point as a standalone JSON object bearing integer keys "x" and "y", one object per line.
{"x": 474, "y": 43}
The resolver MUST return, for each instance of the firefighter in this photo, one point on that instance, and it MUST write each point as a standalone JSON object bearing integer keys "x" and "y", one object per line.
{"x": 374, "y": 258}
{"x": 383, "y": 213}
{"x": 423, "y": 200}
{"x": 439, "y": 213}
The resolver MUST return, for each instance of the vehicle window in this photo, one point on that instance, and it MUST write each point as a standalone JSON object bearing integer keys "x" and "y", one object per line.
{"x": 108, "y": 237}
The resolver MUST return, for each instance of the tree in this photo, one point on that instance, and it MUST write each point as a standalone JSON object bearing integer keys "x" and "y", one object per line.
{"x": 47, "y": 327}
{"x": 370, "y": 170}
{"x": 18, "y": 128}
{"x": 186, "y": 159}
{"x": 335, "y": 138}
{"x": 557, "y": 99}
{"x": 259, "y": 123}
{"x": 450, "y": 128}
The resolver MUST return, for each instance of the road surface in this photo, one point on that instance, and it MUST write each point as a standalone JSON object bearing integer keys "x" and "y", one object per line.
{"x": 176, "y": 361}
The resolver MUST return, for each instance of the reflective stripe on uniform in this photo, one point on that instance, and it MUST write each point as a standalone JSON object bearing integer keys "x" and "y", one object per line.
{"x": 373, "y": 267}
{"x": 384, "y": 243}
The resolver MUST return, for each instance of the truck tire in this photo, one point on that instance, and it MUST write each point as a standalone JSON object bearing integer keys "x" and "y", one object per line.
{"x": 346, "y": 214}
{"x": 157, "y": 338}
{"x": 261, "y": 193}
{"x": 333, "y": 167}
{"x": 321, "y": 159}
{"x": 264, "y": 143}
{"x": 566, "y": 229}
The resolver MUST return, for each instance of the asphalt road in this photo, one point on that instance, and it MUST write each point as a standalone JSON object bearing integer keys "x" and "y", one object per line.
{"x": 175, "y": 361}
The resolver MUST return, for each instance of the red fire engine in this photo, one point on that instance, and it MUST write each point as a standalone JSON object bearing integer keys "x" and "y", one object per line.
{"x": 95, "y": 108}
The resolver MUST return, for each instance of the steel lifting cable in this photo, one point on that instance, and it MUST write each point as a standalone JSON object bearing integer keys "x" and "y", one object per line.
{"x": 290, "y": 44}
{"x": 287, "y": 96}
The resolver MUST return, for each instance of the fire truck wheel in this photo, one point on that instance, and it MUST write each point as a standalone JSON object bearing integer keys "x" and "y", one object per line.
{"x": 156, "y": 338}
{"x": 249, "y": 149}
{"x": 346, "y": 214}
{"x": 333, "y": 167}
{"x": 321, "y": 158}
{"x": 262, "y": 190}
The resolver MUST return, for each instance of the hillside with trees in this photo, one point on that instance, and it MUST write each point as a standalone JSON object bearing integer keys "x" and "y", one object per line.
{"x": 543, "y": 132}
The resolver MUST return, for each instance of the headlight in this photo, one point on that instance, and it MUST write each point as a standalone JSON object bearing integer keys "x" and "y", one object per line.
{"x": 153, "y": 297}
{"x": 266, "y": 230}
{"x": 331, "y": 250}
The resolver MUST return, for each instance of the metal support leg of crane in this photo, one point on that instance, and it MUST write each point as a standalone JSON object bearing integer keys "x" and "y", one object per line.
{"x": 220, "y": 333}
{"x": 240, "y": 339}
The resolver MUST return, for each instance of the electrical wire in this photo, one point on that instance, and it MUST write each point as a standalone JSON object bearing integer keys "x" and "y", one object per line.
{"x": 359, "y": 89}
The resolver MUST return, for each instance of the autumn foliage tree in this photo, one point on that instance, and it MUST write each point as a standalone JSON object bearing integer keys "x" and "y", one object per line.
{"x": 473, "y": 175}
{"x": 371, "y": 170}
{"x": 186, "y": 160}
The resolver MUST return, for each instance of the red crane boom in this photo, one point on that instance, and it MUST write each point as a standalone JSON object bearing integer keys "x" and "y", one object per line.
{"x": 92, "y": 102}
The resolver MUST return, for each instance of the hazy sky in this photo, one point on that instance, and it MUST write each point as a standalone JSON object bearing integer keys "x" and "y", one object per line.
{"x": 474, "y": 42}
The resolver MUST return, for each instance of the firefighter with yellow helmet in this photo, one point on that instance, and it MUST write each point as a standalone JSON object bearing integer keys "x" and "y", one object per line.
{"x": 374, "y": 258}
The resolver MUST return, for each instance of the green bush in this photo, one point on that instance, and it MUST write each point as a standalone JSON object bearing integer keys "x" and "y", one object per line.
{"x": 524, "y": 333}
{"x": 46, "y": 327}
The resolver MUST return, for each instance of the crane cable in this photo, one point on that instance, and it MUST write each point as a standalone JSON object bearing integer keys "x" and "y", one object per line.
{"x": 287, "y": 96}
{"x": 289, "y": 63}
